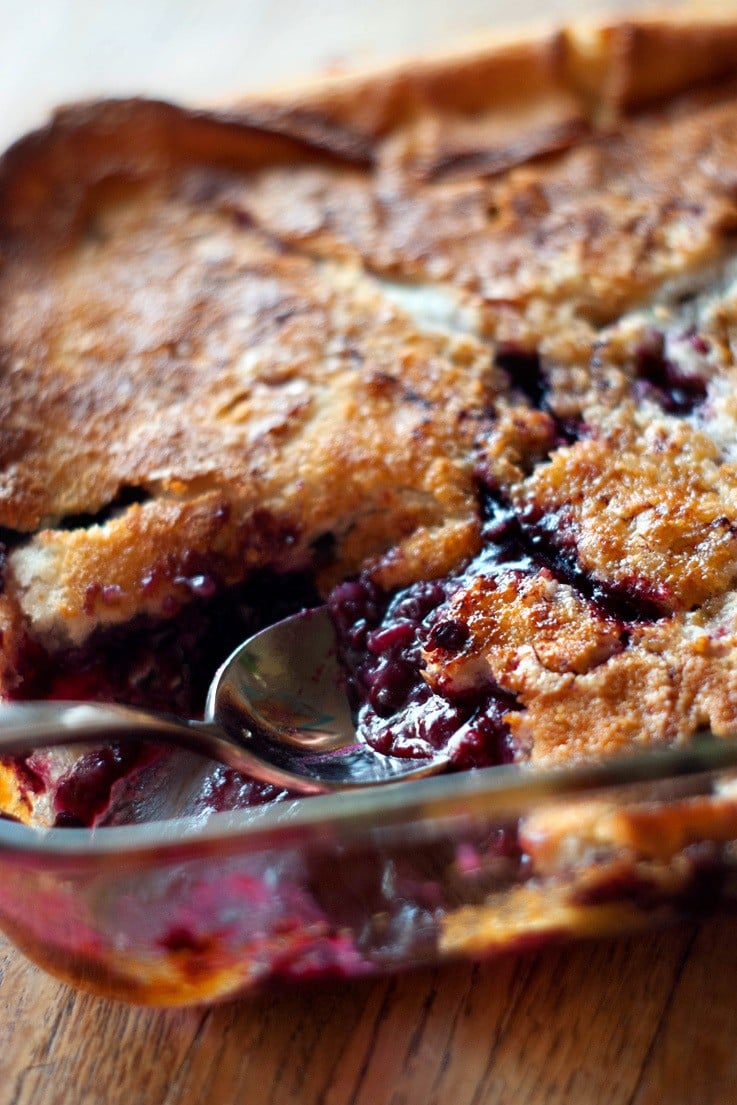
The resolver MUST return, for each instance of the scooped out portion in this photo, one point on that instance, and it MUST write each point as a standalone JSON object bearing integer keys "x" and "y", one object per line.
{"x": 455, "y": 360}
{"x": 599, "y": 615}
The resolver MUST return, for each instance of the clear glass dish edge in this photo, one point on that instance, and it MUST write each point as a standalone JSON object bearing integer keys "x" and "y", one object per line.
{"x": 500, "y": 791}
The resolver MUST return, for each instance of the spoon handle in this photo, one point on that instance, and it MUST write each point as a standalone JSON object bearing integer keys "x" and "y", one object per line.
{"x": 28, "y": 726}
{"x": 25, "y": 726}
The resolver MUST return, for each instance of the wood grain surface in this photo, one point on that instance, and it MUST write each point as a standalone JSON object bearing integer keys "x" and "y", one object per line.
{"x": 635, "y": 1021}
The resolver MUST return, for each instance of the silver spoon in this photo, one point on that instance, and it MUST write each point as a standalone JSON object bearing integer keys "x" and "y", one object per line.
{"x": 276, "y": 709}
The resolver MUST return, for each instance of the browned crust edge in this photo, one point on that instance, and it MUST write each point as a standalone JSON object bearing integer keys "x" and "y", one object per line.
{"x": 600, "y": 68}
{"x": 612, "y": 65}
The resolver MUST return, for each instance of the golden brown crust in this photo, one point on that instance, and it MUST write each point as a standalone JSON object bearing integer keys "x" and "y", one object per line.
{"x": 473, "y": 79}
{"x": 259, "y": 402}
{"x": 198, "y": 312}
{"x": 630, "y": 64}
{"x": 606, "y": 67}
{"x": 544, "y": 252}
{"x": 102, "y": 207}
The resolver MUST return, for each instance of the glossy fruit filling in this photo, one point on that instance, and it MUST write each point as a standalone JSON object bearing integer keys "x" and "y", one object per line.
{"x": 382, "y": 637}
{"x": 658, "y": 375}
{"x": 164, "y": 665}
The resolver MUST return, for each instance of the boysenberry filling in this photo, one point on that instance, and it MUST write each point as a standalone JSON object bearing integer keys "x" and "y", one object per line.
{"x": 525, "y": 371}
{"x": 168, "y": 665}
{"x": 659, "y": 378}
{"x": 380, "y": 643}
{"x": 528, "y": 376}
{"x": 165, "y": 665}
{"x": 84, "y": 793}
{"x": 382, "y": 637}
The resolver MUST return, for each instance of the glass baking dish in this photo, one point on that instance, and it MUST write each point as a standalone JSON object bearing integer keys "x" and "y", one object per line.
{"x": 195, "y": 909}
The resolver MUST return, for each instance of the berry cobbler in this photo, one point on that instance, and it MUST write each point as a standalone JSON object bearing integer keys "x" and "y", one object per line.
{"x": 453, "y": 352}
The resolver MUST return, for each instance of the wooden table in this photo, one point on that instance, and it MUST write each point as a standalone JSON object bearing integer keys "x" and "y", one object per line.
{"x": 627, "y": 1022}
{"x": 637, "y": 1021}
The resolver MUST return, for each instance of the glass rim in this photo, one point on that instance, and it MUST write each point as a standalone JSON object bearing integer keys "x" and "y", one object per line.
{"x": 501, "y": 791}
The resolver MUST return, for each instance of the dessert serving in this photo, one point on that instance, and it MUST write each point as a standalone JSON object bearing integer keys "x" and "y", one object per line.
{"x": 450, "y": 347}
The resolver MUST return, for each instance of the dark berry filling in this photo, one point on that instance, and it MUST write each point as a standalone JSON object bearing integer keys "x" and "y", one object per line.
{"x": 168, "y": 665}
{"x": 380, "y": 643}
{"x": 84, "y": 793}
{"x": 525, "y": 372}
{"x": 165, "y": 665}
{"x": 381, "y": 639}
{"x": 659, "y": 378}
{"x": 528, "y": 376}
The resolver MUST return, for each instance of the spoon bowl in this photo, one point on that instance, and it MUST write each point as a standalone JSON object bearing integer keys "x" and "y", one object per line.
{"x": 277, "y": 709}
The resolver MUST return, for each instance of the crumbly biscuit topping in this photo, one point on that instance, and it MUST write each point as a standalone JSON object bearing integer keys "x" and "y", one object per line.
{"x": 324, "y": 334}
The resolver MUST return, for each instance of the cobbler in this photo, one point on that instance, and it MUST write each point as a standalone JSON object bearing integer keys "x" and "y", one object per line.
{"x": 462, "y": 367}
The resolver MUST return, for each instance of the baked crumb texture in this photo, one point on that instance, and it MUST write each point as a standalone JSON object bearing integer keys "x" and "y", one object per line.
{"x": 314, "y": 331}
